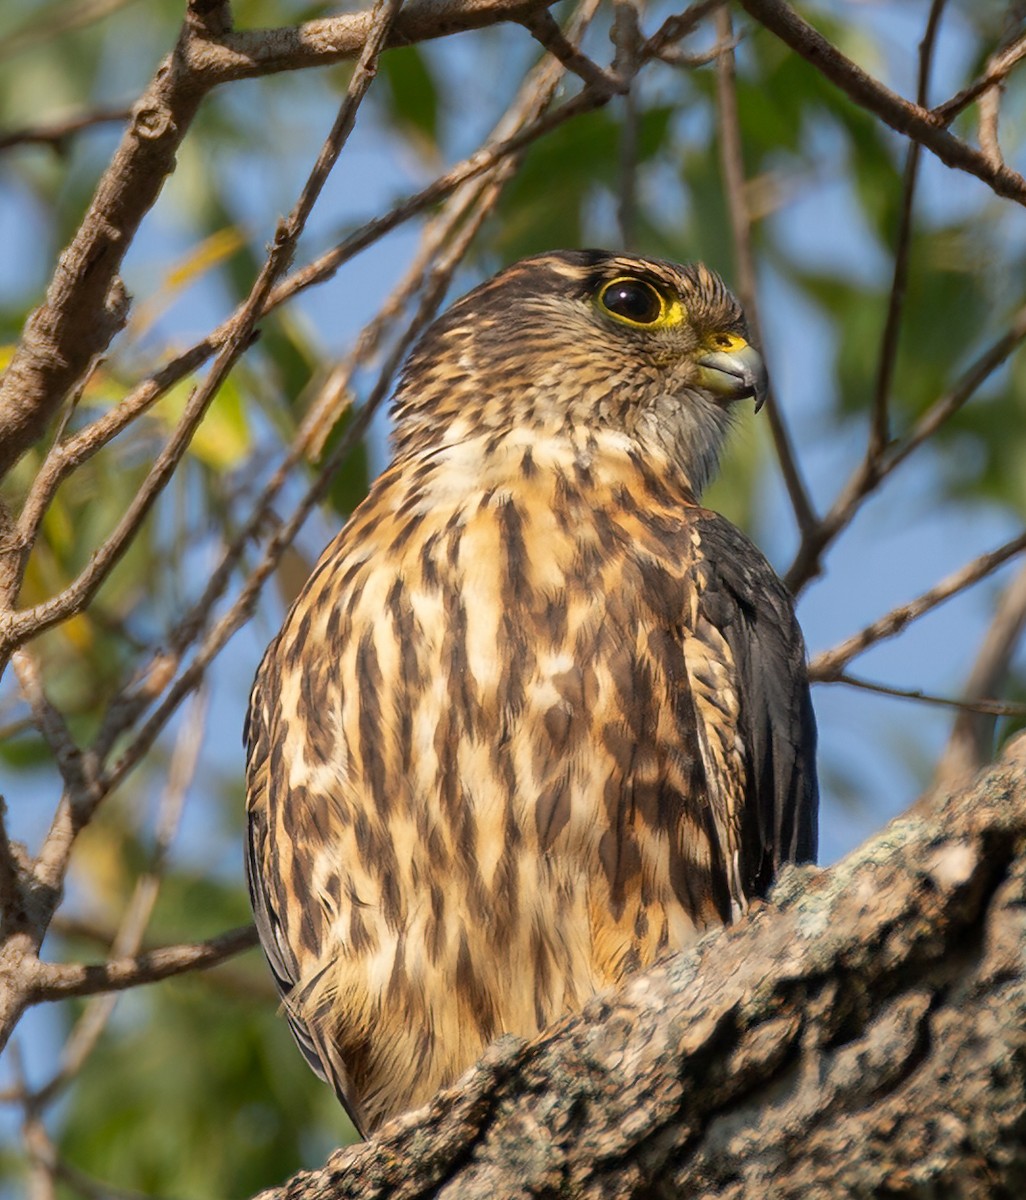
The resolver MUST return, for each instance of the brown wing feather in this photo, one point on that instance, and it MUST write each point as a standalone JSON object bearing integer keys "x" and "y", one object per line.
{"x": 277, "y": 910}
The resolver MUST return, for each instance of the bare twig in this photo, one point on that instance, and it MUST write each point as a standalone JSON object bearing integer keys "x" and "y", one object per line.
{"x": 545, "y": 29}
{"x": 136, "y": 918}
{"x": 327, "y": 264}
{"x": 679, "y": 58}
{"x": 78, "y": 594}
{"x": 626, "y": 35}
{"x": 1009, "y": 52}
{"x": 57, "y": 981}
{"x": 231, "y": 980}
{"x": 675, "y": 28}
{"x": 249, "y": 53}
{"x": 826, "y": 667}
{"x": 733, "y": 171}
{"x": 879, "y": 430}
{"x": 869, "y": 474}
{"x": 40, "y": 1155}
{"x": 912, "y": 120}
{"x": 998, "y": 68}
{"x": 971, "y": 743}
{"x": 12, "y": 902}
{"x": 992, "y": 708}
{"x": 57, "y": 133}
{"x": 49, "y": 721}
{"x": 86, "y": 304}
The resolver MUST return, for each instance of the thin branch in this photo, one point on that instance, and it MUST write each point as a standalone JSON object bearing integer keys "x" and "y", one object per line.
{"x": 627, "y": 38}
{"x": 879, "y": 434}
{"x": 245, "y": 603}
{"x": 40, "y": 1154}
{"x": 1008, "y": 52}
{"x": 733, "y": 172}
{"x": 971, "y": 743}
{"x": 326, "y": 265}
{"x": 57, "y": 981}
{"x": 465, "y": 210}
{"x": 909, "y": 119}
{"x": 675, "y": 28}
{"x": 992, "y": 708}
{"x": 135, "y": 920}
{"x": 869, "y": 474}
{"x": 77, "y": 595}
{"x": 545, "y": 29}
{"x": 249, "y": 53}
{"x": 998, "y": 68}
{"x": 86, "y": 304}
{"x": 826, "y": 667}
{"x": 12, "y": 914}
{"x": 57, "y": 133}
{"x": 54, "y": 729}
{"x": 676, "y": 57}
{"x": 231, "y": 980}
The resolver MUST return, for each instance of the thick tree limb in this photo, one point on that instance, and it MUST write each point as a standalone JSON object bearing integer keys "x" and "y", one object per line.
{"x": 865, "y": 1035}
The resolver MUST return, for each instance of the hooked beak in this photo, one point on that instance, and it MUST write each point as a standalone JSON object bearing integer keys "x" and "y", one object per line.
{"x": 733, "y": 370}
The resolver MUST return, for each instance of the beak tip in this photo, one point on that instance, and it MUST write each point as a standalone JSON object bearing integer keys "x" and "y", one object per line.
{"x": 735, "y": 374}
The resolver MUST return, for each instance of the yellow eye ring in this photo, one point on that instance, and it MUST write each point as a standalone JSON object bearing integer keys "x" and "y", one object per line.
{"x": 634, "y": 302}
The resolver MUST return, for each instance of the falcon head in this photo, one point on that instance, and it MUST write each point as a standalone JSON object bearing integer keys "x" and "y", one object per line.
{"x": 588, "y": 346}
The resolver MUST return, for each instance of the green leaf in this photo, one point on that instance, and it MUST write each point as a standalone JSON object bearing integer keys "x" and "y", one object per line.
{"x": 410, "y": 96}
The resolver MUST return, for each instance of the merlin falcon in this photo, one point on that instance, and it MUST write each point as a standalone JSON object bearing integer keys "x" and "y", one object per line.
{"x": 538, "y": 718}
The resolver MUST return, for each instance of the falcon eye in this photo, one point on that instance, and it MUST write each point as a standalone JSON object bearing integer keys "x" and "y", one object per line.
{"x": 633, "y": 301}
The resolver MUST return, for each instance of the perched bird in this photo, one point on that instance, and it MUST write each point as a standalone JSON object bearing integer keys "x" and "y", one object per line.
{"x": 538, "y": 718}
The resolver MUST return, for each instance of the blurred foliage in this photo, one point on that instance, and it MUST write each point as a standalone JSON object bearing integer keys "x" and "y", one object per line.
{"x": 195, "y": 1088}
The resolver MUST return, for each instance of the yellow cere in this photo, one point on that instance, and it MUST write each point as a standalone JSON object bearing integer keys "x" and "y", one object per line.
{"x": 728, "y": 343}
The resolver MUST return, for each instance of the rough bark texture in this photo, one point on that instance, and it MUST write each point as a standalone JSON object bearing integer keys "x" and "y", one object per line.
{"x": 863, "y": 1035}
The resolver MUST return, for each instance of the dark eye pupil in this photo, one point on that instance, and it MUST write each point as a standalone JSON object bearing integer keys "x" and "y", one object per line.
{"x": 634, "y": 300}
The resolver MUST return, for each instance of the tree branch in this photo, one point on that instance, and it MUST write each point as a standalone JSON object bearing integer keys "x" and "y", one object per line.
{"x": 972, "y": 737}
{"x": 863, "y": 1034}
{"x": 879, "y": 435}
{"x": 826, "y": 667}
{"x": 57, "y": 133}
{"x": 86, "y": 304}
{"x": 907, "y": 118}
{"x": 987, "y": 707}
{"x": 56, "y": 981}
{"x": 732, "y": 170}
{"x": 240, "y": 331}
{"x": 253, "y": 52}
{"x": 871, "y": 472}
